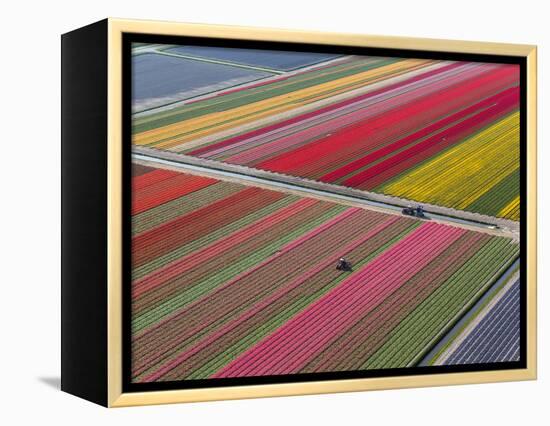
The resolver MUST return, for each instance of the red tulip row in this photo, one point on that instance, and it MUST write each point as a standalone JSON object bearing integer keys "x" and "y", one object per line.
{"x": 247, "y": 288}
{"x": 293, "y": 345}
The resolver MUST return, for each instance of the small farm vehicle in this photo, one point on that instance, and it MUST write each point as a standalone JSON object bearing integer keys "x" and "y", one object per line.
{"x": 416, "y": 212}
{"x": 343, "y": 265}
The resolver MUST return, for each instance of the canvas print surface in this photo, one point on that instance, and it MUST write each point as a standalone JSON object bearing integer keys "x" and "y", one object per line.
{"x": 311, "y": 212}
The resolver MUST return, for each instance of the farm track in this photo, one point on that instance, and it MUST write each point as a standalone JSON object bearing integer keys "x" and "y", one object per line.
{"x": 321, "y": 190}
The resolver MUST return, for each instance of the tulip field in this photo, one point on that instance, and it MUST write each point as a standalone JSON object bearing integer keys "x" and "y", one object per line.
{"x": 231, "y": 280}
{"x": 494, "y": 334}
{"x": 430, "y": 131}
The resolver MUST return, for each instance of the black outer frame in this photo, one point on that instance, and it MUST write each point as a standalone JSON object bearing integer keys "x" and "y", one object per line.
{"x": 129, "y": 386}
{"x": 84, "y": 212}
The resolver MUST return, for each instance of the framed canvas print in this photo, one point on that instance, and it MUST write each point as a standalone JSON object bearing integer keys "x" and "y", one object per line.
{"x": 255, "y": 212}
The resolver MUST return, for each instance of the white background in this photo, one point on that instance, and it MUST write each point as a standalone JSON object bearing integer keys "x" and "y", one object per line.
{"x": 30, "y": 210}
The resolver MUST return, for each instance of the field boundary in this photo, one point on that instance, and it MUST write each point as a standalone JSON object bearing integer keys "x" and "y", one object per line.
{"x": 470, "y": 220}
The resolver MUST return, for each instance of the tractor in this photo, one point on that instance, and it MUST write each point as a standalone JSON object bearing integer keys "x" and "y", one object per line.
{"x": 343, "y": 265}
{"x": 415, "y": 212}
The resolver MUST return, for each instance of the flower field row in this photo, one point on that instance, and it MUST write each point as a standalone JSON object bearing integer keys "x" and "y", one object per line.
{"x": 480, "y": 174}
{"x": 379, "y": 124}
{"x": 493, "y": 336}
{"x": 230, "y": 280}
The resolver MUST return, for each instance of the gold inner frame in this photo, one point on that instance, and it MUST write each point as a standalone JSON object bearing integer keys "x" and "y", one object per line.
{"x": 116, "y": 27}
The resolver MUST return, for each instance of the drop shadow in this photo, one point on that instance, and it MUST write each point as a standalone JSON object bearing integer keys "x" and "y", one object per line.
{"x": 53, "y": 382}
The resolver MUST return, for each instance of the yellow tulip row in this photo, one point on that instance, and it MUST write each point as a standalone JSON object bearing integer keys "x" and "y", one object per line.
{"x": 182, "y": 132}
{"x": 467, "y": 171}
